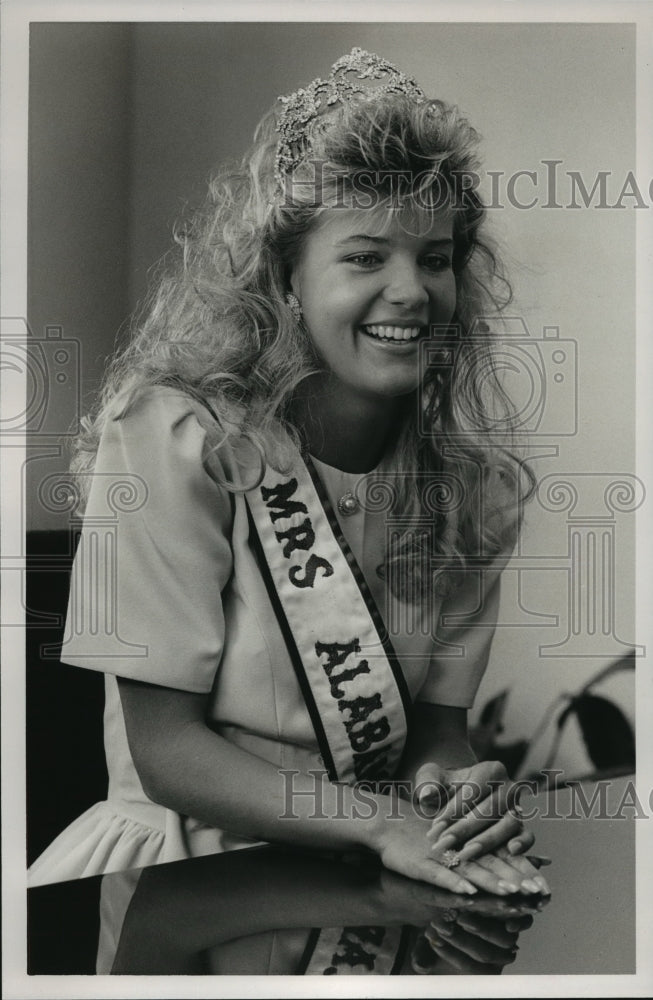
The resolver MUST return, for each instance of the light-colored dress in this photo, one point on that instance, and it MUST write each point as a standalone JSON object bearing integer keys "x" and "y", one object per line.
{"x": 167, "y": 560}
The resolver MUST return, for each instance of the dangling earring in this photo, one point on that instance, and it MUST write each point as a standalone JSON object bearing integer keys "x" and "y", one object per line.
{"x": 295, "y": 306}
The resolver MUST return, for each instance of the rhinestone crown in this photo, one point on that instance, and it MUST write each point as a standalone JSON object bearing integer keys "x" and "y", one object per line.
{"x": 302, "y": 109}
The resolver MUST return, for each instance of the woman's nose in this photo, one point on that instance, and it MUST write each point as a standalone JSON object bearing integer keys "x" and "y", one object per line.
{"x": 406, "y": 286}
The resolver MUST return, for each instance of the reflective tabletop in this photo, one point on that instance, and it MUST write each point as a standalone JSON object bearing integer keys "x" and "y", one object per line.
{"x": 274, "y": 910}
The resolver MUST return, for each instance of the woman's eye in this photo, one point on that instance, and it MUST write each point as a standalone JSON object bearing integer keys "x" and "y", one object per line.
{"x": 436, "y": 262}
{"x": 364, "y": 259}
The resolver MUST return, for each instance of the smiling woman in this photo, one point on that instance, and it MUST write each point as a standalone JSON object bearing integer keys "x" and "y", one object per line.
{"x": 278, "y": 644}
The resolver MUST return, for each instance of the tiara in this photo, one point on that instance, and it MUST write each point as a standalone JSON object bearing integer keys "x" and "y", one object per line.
{"x": 302, "y": 109}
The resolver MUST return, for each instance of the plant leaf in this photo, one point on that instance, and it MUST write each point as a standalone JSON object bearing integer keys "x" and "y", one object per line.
{"x": 606, "y": 732}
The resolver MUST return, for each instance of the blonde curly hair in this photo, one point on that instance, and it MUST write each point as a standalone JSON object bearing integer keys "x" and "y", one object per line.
{"x": 217, "y": 325}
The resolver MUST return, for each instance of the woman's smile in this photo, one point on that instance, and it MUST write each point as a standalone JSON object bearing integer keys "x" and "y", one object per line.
{"x": 393, "y": 335}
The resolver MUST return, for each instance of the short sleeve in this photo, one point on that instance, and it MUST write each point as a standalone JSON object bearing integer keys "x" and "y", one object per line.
{"x": 466, "y": 628}
{"x": 154, "y": 555}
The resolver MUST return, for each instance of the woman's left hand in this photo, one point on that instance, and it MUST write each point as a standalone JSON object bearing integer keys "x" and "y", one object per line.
{"x": 503, "y": 874}
{"x": 480, "y": 811}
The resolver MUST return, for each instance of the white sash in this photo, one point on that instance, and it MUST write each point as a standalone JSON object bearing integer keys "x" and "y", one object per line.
{"x": 350, "y": 677}
{"x": 355, "y": 951}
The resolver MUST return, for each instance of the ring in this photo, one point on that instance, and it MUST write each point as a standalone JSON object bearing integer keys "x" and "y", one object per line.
{"x": 450, "y": 859}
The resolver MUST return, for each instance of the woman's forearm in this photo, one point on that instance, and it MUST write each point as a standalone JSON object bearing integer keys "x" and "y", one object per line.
{"x": 187, "y": 767}
{"x": 227, "y": 787}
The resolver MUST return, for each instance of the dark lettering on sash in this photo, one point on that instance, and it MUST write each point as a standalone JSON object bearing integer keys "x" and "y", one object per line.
{"x": 351, "y": 948}
{"x": 300, "y": 537}
{"x": 363, "y": 667}
{"x": 360, "y": 708}
{"x": 362, "y": 731}
{"x": 337, "y": 653}
{"x": 372, "y": 732}
{"x": 358, "y": 705}
{"x": 279, "y": 496}
{"x": 313, "y": 563}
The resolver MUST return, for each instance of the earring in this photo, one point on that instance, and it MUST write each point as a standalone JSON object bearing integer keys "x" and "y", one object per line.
{"x": 295, "y": 306}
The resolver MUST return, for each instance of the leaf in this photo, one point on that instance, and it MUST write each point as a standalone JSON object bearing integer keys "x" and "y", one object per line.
{"x": 626, "y": 662}
{"x": 492, "y": 714}
{"x": 606, "y": 732}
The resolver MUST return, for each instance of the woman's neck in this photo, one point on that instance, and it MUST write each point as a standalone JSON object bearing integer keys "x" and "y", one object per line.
{"x": 347, "y": 431}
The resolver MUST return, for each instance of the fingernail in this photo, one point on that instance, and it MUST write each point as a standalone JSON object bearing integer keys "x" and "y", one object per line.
{"x": 514, "y": 846}
{"x": 538, "y": 859}
{"x": 508, "y": 886}
{"x": 445, "y": 931}
{"x": 471, "y": 850}
{"x": 467, "y": 887}
{"x": 543, "y": 884}
{"x": 529, "y": 885}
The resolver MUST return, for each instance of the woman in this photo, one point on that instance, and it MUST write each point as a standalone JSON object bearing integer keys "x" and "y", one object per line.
{"x": 275, "y": 654}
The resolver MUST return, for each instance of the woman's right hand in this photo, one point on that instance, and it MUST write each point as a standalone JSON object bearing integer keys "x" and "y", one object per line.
{"x": 474, "y": 809}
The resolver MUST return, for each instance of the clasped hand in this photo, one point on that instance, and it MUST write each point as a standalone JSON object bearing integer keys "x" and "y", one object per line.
{"x": 477, "y": 826}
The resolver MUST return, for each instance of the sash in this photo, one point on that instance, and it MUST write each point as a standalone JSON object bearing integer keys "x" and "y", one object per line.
{"x": 354, "y": 951}
{"x": 348, "y": 672}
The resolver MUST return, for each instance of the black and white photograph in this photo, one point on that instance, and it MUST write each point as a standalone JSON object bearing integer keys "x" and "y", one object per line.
{"x": 325, "y": 499}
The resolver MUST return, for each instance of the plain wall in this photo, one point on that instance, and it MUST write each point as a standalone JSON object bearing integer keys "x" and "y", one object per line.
{"x": 127, "y": 123}
{"x": 78, "y": 222}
